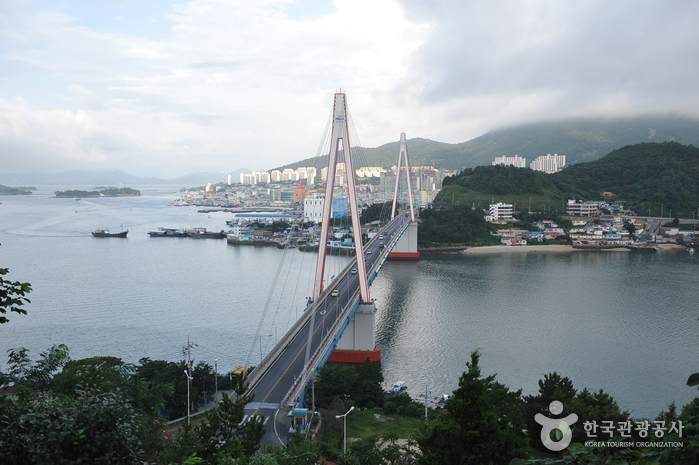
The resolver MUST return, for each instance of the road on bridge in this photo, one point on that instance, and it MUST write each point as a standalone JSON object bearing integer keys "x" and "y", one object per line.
{"x": 286, "y": 370}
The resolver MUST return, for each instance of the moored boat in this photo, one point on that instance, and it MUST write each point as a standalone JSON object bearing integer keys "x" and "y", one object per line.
{"x": 202, "y": 233}
{"x": 166, "y": 232}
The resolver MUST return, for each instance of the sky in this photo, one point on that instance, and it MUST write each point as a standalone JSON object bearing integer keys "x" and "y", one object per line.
{"x": 156, "y": 88}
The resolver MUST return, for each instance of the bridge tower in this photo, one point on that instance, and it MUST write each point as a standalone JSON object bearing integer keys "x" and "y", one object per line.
{"x": 406, "y": 248}
{"x": 359, "y": 339}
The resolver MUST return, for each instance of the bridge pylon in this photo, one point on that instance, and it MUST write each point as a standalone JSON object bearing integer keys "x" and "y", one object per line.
{"x": 406, "y": 248}
{"x": 340, "y": 138}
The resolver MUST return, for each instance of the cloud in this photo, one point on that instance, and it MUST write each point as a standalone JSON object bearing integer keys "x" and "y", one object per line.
{"x": 252, "y": 82}
{"x": 531, "y": 60}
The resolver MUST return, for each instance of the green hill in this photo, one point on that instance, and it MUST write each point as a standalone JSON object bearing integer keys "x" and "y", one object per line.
{"x": 647, "y": 176}
{"x": 580, "y": 139}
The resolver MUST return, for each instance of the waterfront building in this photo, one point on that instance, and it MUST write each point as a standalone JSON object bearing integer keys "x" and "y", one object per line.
{"x": 500, "y": 212}
{"x": 579, "y": 208}
{"x": 549, "y": 163}
{"x": 516, "y": 161}
{"x": 313, "y": 207}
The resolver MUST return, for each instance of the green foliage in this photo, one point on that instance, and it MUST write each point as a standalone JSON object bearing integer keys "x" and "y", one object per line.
{"x": 389, "y": 407}
{"x": 110, "y": 374}
{"x": 30, "y": 377}
{"x": 155, "y": 373}
{"x": 459, "y": 225}
{"x": 361, "y": 385}
{"x": 376, "y": 212}
{"x": 483, "y": 423}
{"x": 642, "y": 176}
{"x": 92, "y": 427}
{"x": 588, "y": 406}
{"x": 580, "y": 139}
{"x": 7, "y": 190}
{"x": 375, "y": 451}
{"x": 106, "y": 191}
{"x": 278, "y": 226}
{"x": 13, "y": 295}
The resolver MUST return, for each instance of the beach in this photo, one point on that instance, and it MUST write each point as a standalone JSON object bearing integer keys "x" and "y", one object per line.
{"x": 495, "y": 249}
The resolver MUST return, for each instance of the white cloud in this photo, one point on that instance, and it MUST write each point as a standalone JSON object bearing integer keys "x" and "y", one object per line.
{"x": 246, "y": 84}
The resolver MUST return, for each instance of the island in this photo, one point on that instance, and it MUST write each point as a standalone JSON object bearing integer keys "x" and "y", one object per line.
{"x": 7, "y": 190}
{"x": 100, "y": 192}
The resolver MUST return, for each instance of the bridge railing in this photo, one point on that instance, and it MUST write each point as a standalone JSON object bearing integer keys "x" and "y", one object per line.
{"x": 338, "y": 327}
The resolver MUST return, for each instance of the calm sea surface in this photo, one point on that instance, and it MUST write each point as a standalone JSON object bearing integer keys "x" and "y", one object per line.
{"x": 620, "y": 321}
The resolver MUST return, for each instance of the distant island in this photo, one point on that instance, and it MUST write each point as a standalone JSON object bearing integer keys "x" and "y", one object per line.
{"x": 7, "y": 190}
{"x": 100, "y": 192}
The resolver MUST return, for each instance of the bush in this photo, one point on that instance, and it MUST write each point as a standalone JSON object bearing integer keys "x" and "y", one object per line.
{"x": 389, "y": 407}
{"x": 411, "y": 410}
{"x": 370, "y": 405}
{"x": 400, "y": 410}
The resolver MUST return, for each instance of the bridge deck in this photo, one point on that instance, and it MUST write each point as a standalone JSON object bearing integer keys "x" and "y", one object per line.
{"x": 281, "y": 376}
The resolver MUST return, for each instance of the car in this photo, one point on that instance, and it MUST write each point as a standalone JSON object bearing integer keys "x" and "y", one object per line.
{"x": 381, "y": 236}
{"x": 354, "y": 271}
{"x": 381, "y": 245}
{"x": 368, "y": 252}
{"x": 335, "y": 293}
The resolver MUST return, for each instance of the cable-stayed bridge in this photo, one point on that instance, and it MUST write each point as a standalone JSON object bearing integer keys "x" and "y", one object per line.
{"x": 340, "y": 316}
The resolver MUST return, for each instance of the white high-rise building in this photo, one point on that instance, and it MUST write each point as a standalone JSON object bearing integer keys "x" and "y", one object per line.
{"x": 276, "y": 175}
{"x": 313, "y": 208}
{"x": 500, "y": 211}
{"x": 230, "y": 179}
{"x": 549, "y": 163}
{"x": 517, "y": 161}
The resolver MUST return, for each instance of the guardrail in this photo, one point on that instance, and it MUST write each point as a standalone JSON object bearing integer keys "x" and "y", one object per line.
{"x": 267, "y": 362}
{"x": 338, "y": 327}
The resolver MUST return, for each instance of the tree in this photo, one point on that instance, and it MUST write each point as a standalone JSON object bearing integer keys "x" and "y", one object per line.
{"x": 92, "y": 427}
{"x": 12, "y": 296}
{"x": 587, "y": 405}
{"x": 483, "y": 423}
{"x": 30, "y": 376}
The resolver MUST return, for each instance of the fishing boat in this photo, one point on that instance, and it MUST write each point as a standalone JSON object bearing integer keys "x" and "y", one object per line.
{"x": 106, "y": 233}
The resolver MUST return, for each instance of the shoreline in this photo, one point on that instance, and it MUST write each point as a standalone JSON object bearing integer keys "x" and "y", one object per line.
{"x": 496, "y": 249}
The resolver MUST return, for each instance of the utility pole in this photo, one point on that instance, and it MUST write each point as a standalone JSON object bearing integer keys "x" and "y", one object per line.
{"x": 188, "y": 371}
{"x": 425, "y": 405}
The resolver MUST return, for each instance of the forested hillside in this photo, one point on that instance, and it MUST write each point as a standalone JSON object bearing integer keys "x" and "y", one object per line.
{"x": 647, "y": 176}
{"x": 579, "y": 139}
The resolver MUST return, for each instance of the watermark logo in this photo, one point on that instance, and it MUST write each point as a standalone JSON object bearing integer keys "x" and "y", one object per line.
{"x": 560, "y": 427}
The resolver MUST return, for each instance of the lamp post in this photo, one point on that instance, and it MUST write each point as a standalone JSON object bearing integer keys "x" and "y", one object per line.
{"x": 189, "y": 378}
{"x": 344, "y": 448}
{"x": 215, "y": 381}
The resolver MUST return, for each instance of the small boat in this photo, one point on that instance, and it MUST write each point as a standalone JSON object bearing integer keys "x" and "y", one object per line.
{"x": 399, "y": 387}
{"x": 106, "y": 233}
{"x": 442, "y": 401}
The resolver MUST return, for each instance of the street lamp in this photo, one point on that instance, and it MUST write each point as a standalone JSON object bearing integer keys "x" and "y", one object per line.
{"x": 344, "y": 448}
{"x": 216, "y": 381}
{"x": 189, "y": 378}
